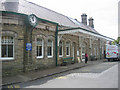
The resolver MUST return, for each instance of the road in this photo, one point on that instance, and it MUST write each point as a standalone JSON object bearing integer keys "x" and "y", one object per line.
{"x": 102, "y": 75}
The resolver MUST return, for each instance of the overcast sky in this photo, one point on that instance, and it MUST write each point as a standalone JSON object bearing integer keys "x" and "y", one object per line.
{"x": 104, "y": 12}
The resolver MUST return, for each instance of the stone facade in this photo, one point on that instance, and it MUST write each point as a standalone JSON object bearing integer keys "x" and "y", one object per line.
{"x": 74, "y": 43}
{"x": 14, "y": 27}
{"x": 24, "y": 61}
{"x": 43, "y": 38}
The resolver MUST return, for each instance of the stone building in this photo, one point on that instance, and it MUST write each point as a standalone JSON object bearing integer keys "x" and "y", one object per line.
{"x": 33, "y": 37}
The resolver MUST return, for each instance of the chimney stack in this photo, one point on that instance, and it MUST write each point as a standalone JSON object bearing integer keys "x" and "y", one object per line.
{"x": 91, "y": 24}
{"x": 84, "y": 18}
{"x": 11, "y": 5}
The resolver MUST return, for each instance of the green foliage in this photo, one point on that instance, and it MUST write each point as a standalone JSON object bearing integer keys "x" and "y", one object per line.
{"x": 116, "y": 41}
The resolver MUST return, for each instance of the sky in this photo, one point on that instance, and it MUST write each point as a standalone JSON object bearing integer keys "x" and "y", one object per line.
{"x": 104, "y": 12}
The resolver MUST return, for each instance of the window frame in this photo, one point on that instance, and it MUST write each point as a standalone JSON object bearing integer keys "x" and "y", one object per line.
{"x": 51, "y": 48}
{"x": 42, "y": 49}
{"x": 6, "y": 58}
{"x": 62, "y": 49}
{"x": 68, "y": 49}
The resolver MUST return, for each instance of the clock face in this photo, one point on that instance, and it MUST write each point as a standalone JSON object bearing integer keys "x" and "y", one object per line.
{"x": 33, "y": 20}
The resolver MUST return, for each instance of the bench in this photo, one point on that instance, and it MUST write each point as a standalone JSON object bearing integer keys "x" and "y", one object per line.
{"x": 65, "y": 61}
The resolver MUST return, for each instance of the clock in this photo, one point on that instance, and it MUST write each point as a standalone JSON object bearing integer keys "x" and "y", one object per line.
{"x": 32, "y": 20}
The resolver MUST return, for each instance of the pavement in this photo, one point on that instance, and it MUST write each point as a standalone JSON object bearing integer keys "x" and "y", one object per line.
{"x": 34, "y": 75}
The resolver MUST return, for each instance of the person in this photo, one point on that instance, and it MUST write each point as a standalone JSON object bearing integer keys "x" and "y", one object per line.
{"x": 86, "y": 57}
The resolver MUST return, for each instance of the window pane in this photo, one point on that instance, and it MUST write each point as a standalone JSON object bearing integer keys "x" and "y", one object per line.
{"x": 4, "y": 50}
{"x": 67, "y": 44}
{"x": 10, "y": 50}
{"x": 49, "y": 43}
{"x": 49, "y": 51}
{"x": 67, "y": 50}
{"x": 7, "y": 46}
{"x": 39, "y": 47}
{"x": 60, "y": 51}
{"x": 37, "y": 50}
{"x": 40, "y": 50}
{"x": 39, "y": 42}
{"x": 60, "y": 48}
{"x": 83, "y": 50}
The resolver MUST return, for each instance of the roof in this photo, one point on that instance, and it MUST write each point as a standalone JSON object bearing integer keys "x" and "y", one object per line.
{"x": 28, "y": 8}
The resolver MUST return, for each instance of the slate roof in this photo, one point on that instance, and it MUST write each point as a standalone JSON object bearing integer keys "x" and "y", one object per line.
{"x": 28, "y": 8}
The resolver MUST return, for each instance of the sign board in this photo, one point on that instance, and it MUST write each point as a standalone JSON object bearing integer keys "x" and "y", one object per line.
{"x": 28, "y": 47}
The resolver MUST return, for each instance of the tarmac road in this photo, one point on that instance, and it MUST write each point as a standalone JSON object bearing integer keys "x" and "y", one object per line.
{"x": 103, "y": 75}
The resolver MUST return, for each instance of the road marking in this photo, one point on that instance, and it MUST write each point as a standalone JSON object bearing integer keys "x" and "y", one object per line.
{"x": 62, "y": 77}
{"x": 13, "y": 86}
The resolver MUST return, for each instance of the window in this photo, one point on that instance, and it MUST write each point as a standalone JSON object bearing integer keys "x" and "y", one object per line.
{"x": 60, "y": 49}
{"x": 95, "y": 51}
{"x": 39, "y": 48}
{"x": 50, "y": 48}
{"x": 83, "y": 50}
{"x": 67, "y": 49}
{"x": 7, "y": 47}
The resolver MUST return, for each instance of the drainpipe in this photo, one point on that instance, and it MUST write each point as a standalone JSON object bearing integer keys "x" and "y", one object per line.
{"x": 56, "y": 45}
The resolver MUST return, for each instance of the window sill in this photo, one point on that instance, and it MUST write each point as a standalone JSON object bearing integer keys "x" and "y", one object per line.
{"x": 40, "y": 57}
{"x": 6, "y": 59}
{"x": 50, "y": 56}
{"x": 67, "y": 55}
{"x": 60, "y": 55}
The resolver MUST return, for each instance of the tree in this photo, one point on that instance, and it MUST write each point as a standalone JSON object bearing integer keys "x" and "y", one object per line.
{"x": 116, "y": 41}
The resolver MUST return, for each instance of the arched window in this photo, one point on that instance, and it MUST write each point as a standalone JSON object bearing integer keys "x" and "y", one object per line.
{"x": 67, "y": 48}
{"x": 84, "y": 47}
{"x": 50, "y": 48}
{"x": 7, "y": 47}
{"x": 40, "y": 46}
{"x": 61, "y": 49}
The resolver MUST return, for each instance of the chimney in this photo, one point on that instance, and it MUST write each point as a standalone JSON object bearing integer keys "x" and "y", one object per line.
{"x": 84, "y": 18}
{"x": 11, "y": 5}
{"x": 91, "y": 24}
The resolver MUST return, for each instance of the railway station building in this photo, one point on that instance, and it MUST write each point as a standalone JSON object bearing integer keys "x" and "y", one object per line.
{"x": 33, "y": 37}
